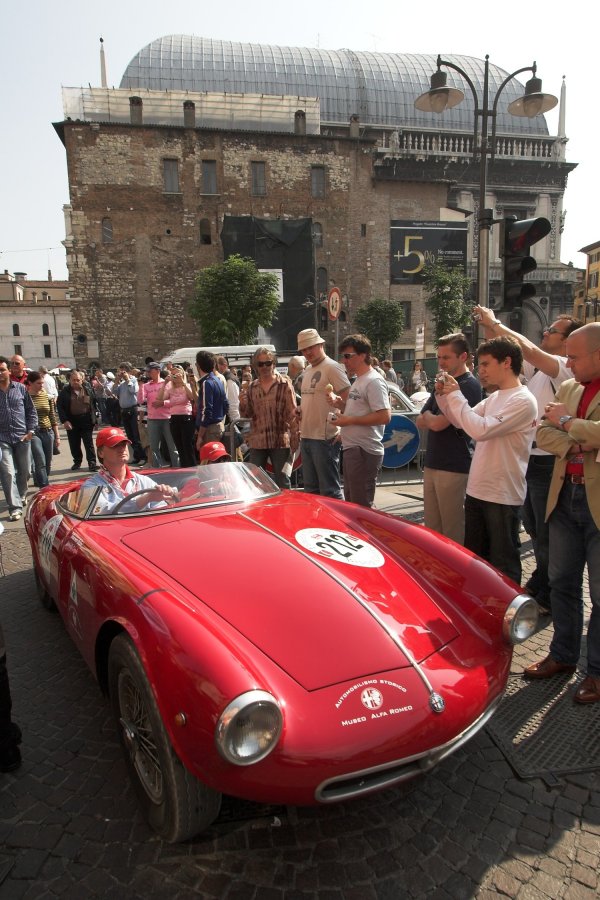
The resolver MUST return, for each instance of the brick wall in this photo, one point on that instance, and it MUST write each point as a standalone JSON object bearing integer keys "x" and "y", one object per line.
{"x": 132, "y": 294}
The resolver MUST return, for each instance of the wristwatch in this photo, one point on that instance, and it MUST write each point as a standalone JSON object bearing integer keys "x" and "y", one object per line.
{"x": 563, "y": 420}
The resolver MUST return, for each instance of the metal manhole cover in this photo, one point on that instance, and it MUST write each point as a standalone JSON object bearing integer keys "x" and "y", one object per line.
{"x": 542, "y": 732}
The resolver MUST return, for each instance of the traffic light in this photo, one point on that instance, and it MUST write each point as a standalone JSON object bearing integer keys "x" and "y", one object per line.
{"x": 517, "y": 237}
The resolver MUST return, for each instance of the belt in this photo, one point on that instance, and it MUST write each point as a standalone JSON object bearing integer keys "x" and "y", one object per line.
{"x": 39, "y": 428}
{"x": 575, "y": 479}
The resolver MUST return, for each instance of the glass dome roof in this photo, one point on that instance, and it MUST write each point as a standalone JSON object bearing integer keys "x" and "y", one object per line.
{"x": 379, "y": 87}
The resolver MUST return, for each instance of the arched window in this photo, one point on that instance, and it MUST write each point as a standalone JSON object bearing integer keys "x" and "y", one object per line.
{"x": 46, "y": 330}
{"x": 107, "y": 232}
{"x": 322, "y": 281}
{"x": 205, "y": 235}
{"x": 16, "y": 331}
{"x": 317, "y": 231}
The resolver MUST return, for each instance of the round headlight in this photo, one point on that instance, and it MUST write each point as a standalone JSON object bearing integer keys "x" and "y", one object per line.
{"x": 520, "y": 619}
{"x": 249, "y": 728}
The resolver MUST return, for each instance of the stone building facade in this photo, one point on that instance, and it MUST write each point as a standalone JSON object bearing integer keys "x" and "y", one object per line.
{"x": 156, "y": 175}
{"x": 35, "y": 320}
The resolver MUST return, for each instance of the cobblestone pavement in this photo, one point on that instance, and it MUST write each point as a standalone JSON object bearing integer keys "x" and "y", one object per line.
{"x": 69, "y": 824}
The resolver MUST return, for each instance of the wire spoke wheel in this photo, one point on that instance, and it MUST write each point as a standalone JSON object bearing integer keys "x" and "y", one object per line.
{"x": 139, "y": 738}
{"x": 175, "y": 803}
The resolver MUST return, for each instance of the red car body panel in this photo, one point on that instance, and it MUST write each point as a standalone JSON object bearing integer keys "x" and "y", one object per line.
{"x": 225, "y": 599}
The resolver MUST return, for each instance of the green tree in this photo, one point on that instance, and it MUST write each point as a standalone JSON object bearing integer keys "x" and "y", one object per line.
{"x": 232, "y": 299}
{"x": 446, "y": 288}
{"x": 382, "y": 321}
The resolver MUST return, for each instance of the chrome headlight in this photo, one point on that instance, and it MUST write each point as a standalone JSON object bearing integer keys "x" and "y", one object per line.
{"x": 520, "y": 619}
{"x": 249, "y": 728}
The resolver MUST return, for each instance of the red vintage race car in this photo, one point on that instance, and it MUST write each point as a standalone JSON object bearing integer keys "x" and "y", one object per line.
{"x": 275, "y": 646}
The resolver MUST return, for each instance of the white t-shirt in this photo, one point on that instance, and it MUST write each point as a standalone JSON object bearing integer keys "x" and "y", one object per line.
{"x": 316, "y": 378}
{"x": 544, "y": 389}
{"x": 503, "y": 426}
{"x": 368, "y": 393}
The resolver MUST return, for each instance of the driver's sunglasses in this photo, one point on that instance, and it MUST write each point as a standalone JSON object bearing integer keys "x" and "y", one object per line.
{"x": 265, "y": 362}
{"x": 348, "y": 355}
{"x": 554, "y": 331}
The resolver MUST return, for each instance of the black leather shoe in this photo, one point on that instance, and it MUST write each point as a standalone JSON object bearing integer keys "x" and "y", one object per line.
{"x": 547, "y": 668}
{"x": 93, "y": 467}
{"x": 76, "y": 467}
{"x": 10, "y": 755}
{"x": 10, "y": 759}
{"x": 588, "y": 691}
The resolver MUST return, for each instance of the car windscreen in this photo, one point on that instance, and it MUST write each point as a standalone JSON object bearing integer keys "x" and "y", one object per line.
{"x": 201, "y": 486}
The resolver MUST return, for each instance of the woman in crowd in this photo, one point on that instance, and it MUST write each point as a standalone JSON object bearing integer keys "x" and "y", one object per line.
{"x": 270, "y": 402}
{"x": 418, "y": 378}
{"x": 179, "y": 395}
{"x": 77, "y": 411}
{"x": 46, "y": 434}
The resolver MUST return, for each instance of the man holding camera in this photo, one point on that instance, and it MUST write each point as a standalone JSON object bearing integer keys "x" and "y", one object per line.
{"x": 503, "y": 427}
{"x": 449, "y": 449}
{"x": 364, "y": 416}
{"x": 126, "y": 390}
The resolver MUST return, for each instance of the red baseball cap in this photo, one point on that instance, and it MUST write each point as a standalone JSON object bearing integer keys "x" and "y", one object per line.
{"x": 212, "y": 451}
{"x": 110, "y": 437}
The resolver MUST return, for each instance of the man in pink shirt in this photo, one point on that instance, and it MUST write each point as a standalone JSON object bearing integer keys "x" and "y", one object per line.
{"x": 159, "y": 415}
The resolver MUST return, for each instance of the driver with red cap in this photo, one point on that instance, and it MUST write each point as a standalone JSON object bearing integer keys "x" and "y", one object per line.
{"x": 118, "y": 481}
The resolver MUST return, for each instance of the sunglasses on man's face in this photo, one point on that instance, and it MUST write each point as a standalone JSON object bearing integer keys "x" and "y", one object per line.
{"x": 348, "y": 355}
{"x": 265, "y": 362}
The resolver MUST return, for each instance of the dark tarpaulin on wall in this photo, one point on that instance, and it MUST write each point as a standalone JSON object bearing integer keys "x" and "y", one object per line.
{"x": 284, "y": 244}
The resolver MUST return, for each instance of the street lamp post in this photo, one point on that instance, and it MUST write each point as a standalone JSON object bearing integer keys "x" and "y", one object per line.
{"x": 532, "y": 103}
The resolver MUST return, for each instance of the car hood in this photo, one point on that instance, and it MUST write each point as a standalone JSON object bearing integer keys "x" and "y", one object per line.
{"x": 306, "y": 583}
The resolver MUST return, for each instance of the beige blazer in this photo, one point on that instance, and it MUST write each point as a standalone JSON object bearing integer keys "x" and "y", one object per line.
{"x": 559, "y": 442}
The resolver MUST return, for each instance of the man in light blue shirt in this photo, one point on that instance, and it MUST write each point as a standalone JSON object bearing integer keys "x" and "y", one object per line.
{"x": 18, "y": 421}
{"x": 126, "y": 391}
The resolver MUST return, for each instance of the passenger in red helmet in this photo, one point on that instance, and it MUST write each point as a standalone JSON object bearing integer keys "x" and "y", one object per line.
{"x": 213, "y": 452}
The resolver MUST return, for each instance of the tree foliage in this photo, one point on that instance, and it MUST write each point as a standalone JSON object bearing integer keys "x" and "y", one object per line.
{"x": 382, "y": 321}
{"x": 446, "y": 288}
{"x": 232, "y": 300}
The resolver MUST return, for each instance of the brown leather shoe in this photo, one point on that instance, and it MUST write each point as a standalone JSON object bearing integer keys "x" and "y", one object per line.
{"x": 588, "y": 691}
{"x": 547, "y": 668}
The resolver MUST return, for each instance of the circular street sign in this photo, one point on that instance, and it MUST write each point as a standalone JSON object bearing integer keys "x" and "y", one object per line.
{"x": 400, "y": 441}
{"x": 334, "y": 303}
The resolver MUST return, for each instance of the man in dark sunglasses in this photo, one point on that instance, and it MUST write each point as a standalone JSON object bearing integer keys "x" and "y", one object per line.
{"x": 545, "y": 368}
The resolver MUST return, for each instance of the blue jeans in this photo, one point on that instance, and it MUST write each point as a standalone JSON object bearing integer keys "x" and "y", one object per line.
{"x": 539, "y": 476}
{"x": 279, "y": 456}
{"x": 42, "y": 444}
{"x": 492, "y": 531}
{"x": 574, "y": 541}
{"x": 160, "y": 429}
{"x": 15, "y": 466}
{"x": 321, "y": 467}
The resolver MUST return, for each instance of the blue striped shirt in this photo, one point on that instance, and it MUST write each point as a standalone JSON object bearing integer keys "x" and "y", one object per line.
{"x": 17, "y": 413}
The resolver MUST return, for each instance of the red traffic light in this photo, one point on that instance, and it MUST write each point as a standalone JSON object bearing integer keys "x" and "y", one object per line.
{"x": 520, "y": 234}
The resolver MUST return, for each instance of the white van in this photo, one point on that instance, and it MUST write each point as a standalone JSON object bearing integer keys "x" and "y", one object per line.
{"x": 236, "y": 356}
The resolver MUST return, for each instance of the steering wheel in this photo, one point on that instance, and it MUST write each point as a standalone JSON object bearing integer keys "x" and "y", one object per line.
{"x": 129, "y": 497}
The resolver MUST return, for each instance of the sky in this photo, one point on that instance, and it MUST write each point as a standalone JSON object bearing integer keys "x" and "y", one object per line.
{"x": 50, "y": 43}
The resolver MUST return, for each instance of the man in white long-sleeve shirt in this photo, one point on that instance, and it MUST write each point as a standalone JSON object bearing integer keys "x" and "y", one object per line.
{"x": 503, "y": 426}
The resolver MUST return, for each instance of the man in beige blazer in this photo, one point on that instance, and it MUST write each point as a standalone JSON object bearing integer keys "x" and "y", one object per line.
{"x": 571, "y": 431}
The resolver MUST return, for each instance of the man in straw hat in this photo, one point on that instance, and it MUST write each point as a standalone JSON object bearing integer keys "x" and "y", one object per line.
{"x": 320, "y": 445}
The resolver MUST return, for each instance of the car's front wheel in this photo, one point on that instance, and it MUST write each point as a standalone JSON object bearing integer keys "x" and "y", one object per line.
{"x": 176, "y": 805}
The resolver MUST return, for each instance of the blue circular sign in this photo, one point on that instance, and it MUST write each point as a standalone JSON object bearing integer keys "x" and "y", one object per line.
{"x": 400, "y": 441}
